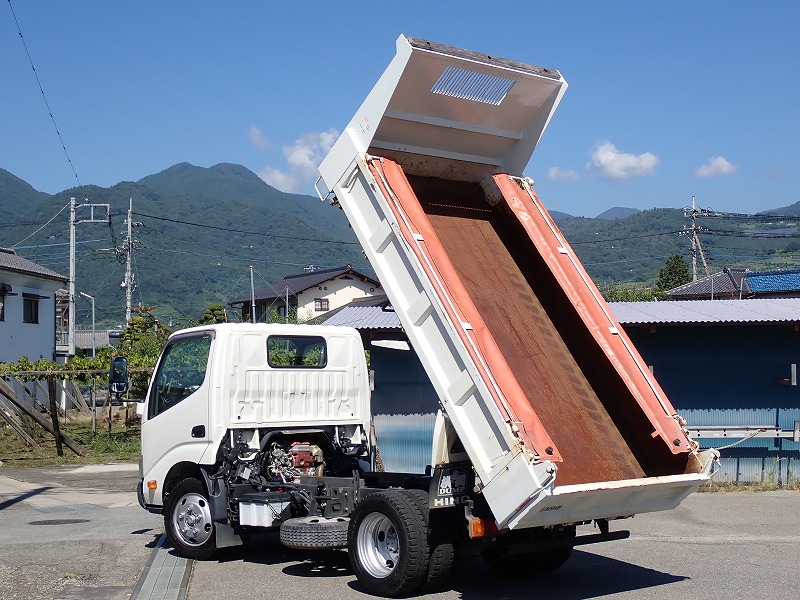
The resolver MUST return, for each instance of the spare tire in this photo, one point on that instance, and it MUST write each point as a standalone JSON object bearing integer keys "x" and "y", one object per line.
{"x": 315, "y": 533}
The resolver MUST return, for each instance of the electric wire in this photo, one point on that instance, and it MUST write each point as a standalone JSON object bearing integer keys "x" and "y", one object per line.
{"x": 43, "y": 226}
{"x": 44, "y": 96}
{"x": 259, "y": 233}
{"x": 625, "y": 239}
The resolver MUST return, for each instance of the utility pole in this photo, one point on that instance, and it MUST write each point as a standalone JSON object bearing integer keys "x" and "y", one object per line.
{"x": 252, "y": 297}
{"x": 129, "y": 283}
{"x": 73, "y": 209}
{"x": 71, "y": 324}
{"x": 128, "y": 272}
{"x": 692, "y": 231}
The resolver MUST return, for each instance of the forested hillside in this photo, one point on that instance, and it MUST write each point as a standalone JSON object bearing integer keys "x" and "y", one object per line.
{"x": 197, "y": 230}
{"x": 191, "y": 248}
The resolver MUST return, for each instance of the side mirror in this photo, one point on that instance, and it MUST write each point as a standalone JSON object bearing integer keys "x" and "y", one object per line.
{"x": 118, "y": 376}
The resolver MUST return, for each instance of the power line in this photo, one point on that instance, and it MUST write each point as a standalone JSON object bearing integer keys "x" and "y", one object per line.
{"x": 707, "y": 213}
{"x": 224, "y": 257}
{"x": 44, "y": 96}
{"x": 43, "y": 226}
{"x": 58, "y": 244}
{"x": 259, "y": 233}
{"x": 627, "y": 260}
{"x": 624, "y": 239}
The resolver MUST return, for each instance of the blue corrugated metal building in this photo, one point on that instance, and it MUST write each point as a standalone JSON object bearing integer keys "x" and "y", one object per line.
{"x": 721, "y": 363}
{"x": 727, "y": 363}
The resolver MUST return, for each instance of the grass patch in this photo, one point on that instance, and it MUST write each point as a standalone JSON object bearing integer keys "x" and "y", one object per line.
{"x": 766, "y": 486}
{"x": 119, "y": 444}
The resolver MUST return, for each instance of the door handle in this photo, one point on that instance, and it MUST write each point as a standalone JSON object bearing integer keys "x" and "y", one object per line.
{"x": 199, "y": 431}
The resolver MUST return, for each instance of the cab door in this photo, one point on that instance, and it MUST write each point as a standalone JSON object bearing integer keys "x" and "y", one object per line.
{"x": 175, "y": 426}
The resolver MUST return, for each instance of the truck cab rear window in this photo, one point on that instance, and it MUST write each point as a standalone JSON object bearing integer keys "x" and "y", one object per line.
{"x": 296, "y": 351}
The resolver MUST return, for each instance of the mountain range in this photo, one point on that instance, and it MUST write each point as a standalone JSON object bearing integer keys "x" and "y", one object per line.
{"x": 197, "y": 230}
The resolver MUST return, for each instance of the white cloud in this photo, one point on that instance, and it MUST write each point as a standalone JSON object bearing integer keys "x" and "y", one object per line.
{"x": 303, "y": 156}
{"x": 258, "y": 139}
{"x": 715, "y": 167}
{"x": 558, "y": 174}
{"x": 618, "y": 165}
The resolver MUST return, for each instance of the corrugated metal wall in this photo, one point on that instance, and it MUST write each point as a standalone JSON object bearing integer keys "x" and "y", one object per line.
{"x": 720, "y": 375}
{"x": 730, "y": 375}
{"x": 404, "y": 406}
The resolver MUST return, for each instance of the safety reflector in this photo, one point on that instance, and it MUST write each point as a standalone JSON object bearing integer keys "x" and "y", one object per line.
{"x": 480, "y": 528}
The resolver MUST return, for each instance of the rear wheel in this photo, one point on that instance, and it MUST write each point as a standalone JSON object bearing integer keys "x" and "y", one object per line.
{"x": 442, "y": 552}
{"x": 187, "y": 520}
{"x": 388, "y": 545}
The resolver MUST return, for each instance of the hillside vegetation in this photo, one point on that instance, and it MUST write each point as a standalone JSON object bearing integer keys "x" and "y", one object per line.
{"x": 198, "y": 229}
{"x": 192, "y": 247}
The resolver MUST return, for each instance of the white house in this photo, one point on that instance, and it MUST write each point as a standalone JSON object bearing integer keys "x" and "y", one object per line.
{"x": 27, "y": 308}
{"x": 313, "y": 294}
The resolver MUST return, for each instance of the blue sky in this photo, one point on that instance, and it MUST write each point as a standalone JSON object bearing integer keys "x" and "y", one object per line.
{"x": 666, "y": 99}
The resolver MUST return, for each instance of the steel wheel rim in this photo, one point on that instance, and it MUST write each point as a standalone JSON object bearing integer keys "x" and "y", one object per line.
{"x": 378, "y": 545}
{"x": 191, "y": 520}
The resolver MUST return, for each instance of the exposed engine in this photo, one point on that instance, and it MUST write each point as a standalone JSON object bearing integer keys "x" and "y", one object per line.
{"x": 302, "y": 458}
{"x": 272, "y": 472}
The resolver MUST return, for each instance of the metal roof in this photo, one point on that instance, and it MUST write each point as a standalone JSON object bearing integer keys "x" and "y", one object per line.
{"x": 774, "y": 281}
{"x": 365, "y": 317}
{"x": 731, "y": 283}
{"x": 728, "y": 282}
{"x": 301, "y": 282}
{"x": 9, "y": 261}
{"x": 750, "y": 311}
{"x": 685, "y": 312}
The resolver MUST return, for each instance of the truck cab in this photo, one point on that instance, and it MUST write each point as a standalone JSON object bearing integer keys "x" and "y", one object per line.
{"x": 241, "y": 383}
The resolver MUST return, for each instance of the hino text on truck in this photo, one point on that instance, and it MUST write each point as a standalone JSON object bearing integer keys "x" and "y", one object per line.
{"x": 549, "y": 423}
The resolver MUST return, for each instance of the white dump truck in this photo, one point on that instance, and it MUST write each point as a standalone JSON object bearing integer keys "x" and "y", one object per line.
{"x": 549, "y": 423}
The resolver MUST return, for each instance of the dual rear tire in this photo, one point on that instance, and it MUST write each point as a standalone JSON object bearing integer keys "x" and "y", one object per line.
{"x": 390, "y": 549}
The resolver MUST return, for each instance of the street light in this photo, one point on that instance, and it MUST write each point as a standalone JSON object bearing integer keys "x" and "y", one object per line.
{"x": 94, "y": 337}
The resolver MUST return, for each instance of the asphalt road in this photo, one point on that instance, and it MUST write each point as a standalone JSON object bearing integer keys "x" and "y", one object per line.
{"x": 72, "y": 533}
{"x": 715, "y": 545}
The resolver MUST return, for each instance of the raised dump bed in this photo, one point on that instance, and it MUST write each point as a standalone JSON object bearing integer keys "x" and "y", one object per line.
{"x": 531, "y": 367}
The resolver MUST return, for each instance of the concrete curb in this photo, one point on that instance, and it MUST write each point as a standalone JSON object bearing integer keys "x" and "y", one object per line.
{"x": 165, "y": 577}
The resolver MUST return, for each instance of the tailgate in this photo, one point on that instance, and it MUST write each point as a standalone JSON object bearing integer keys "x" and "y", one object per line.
{"x": 607, "y": 500}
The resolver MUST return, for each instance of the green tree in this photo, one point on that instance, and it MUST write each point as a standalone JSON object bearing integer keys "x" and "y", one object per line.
{"x": 616, "y": 291}
{"x": 215, "y": 313}
{"x": 675, "y": 272}
{"x": 141, "y": 343}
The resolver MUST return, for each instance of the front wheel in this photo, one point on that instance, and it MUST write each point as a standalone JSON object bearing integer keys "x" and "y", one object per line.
{"x": 388, "y": 544}
{"x": 187, "y": 520}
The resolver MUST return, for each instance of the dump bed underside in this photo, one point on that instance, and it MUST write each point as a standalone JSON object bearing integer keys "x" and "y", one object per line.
{"x": 559, "y": 375}
{"x": 590, "y": 443}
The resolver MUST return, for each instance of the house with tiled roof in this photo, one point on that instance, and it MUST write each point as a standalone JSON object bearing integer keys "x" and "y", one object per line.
{"x": 738, "y": 284}
{"x": 312, "y": 294}
{"x": 728, "y": 284}
{"x": 27, "y": 308}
